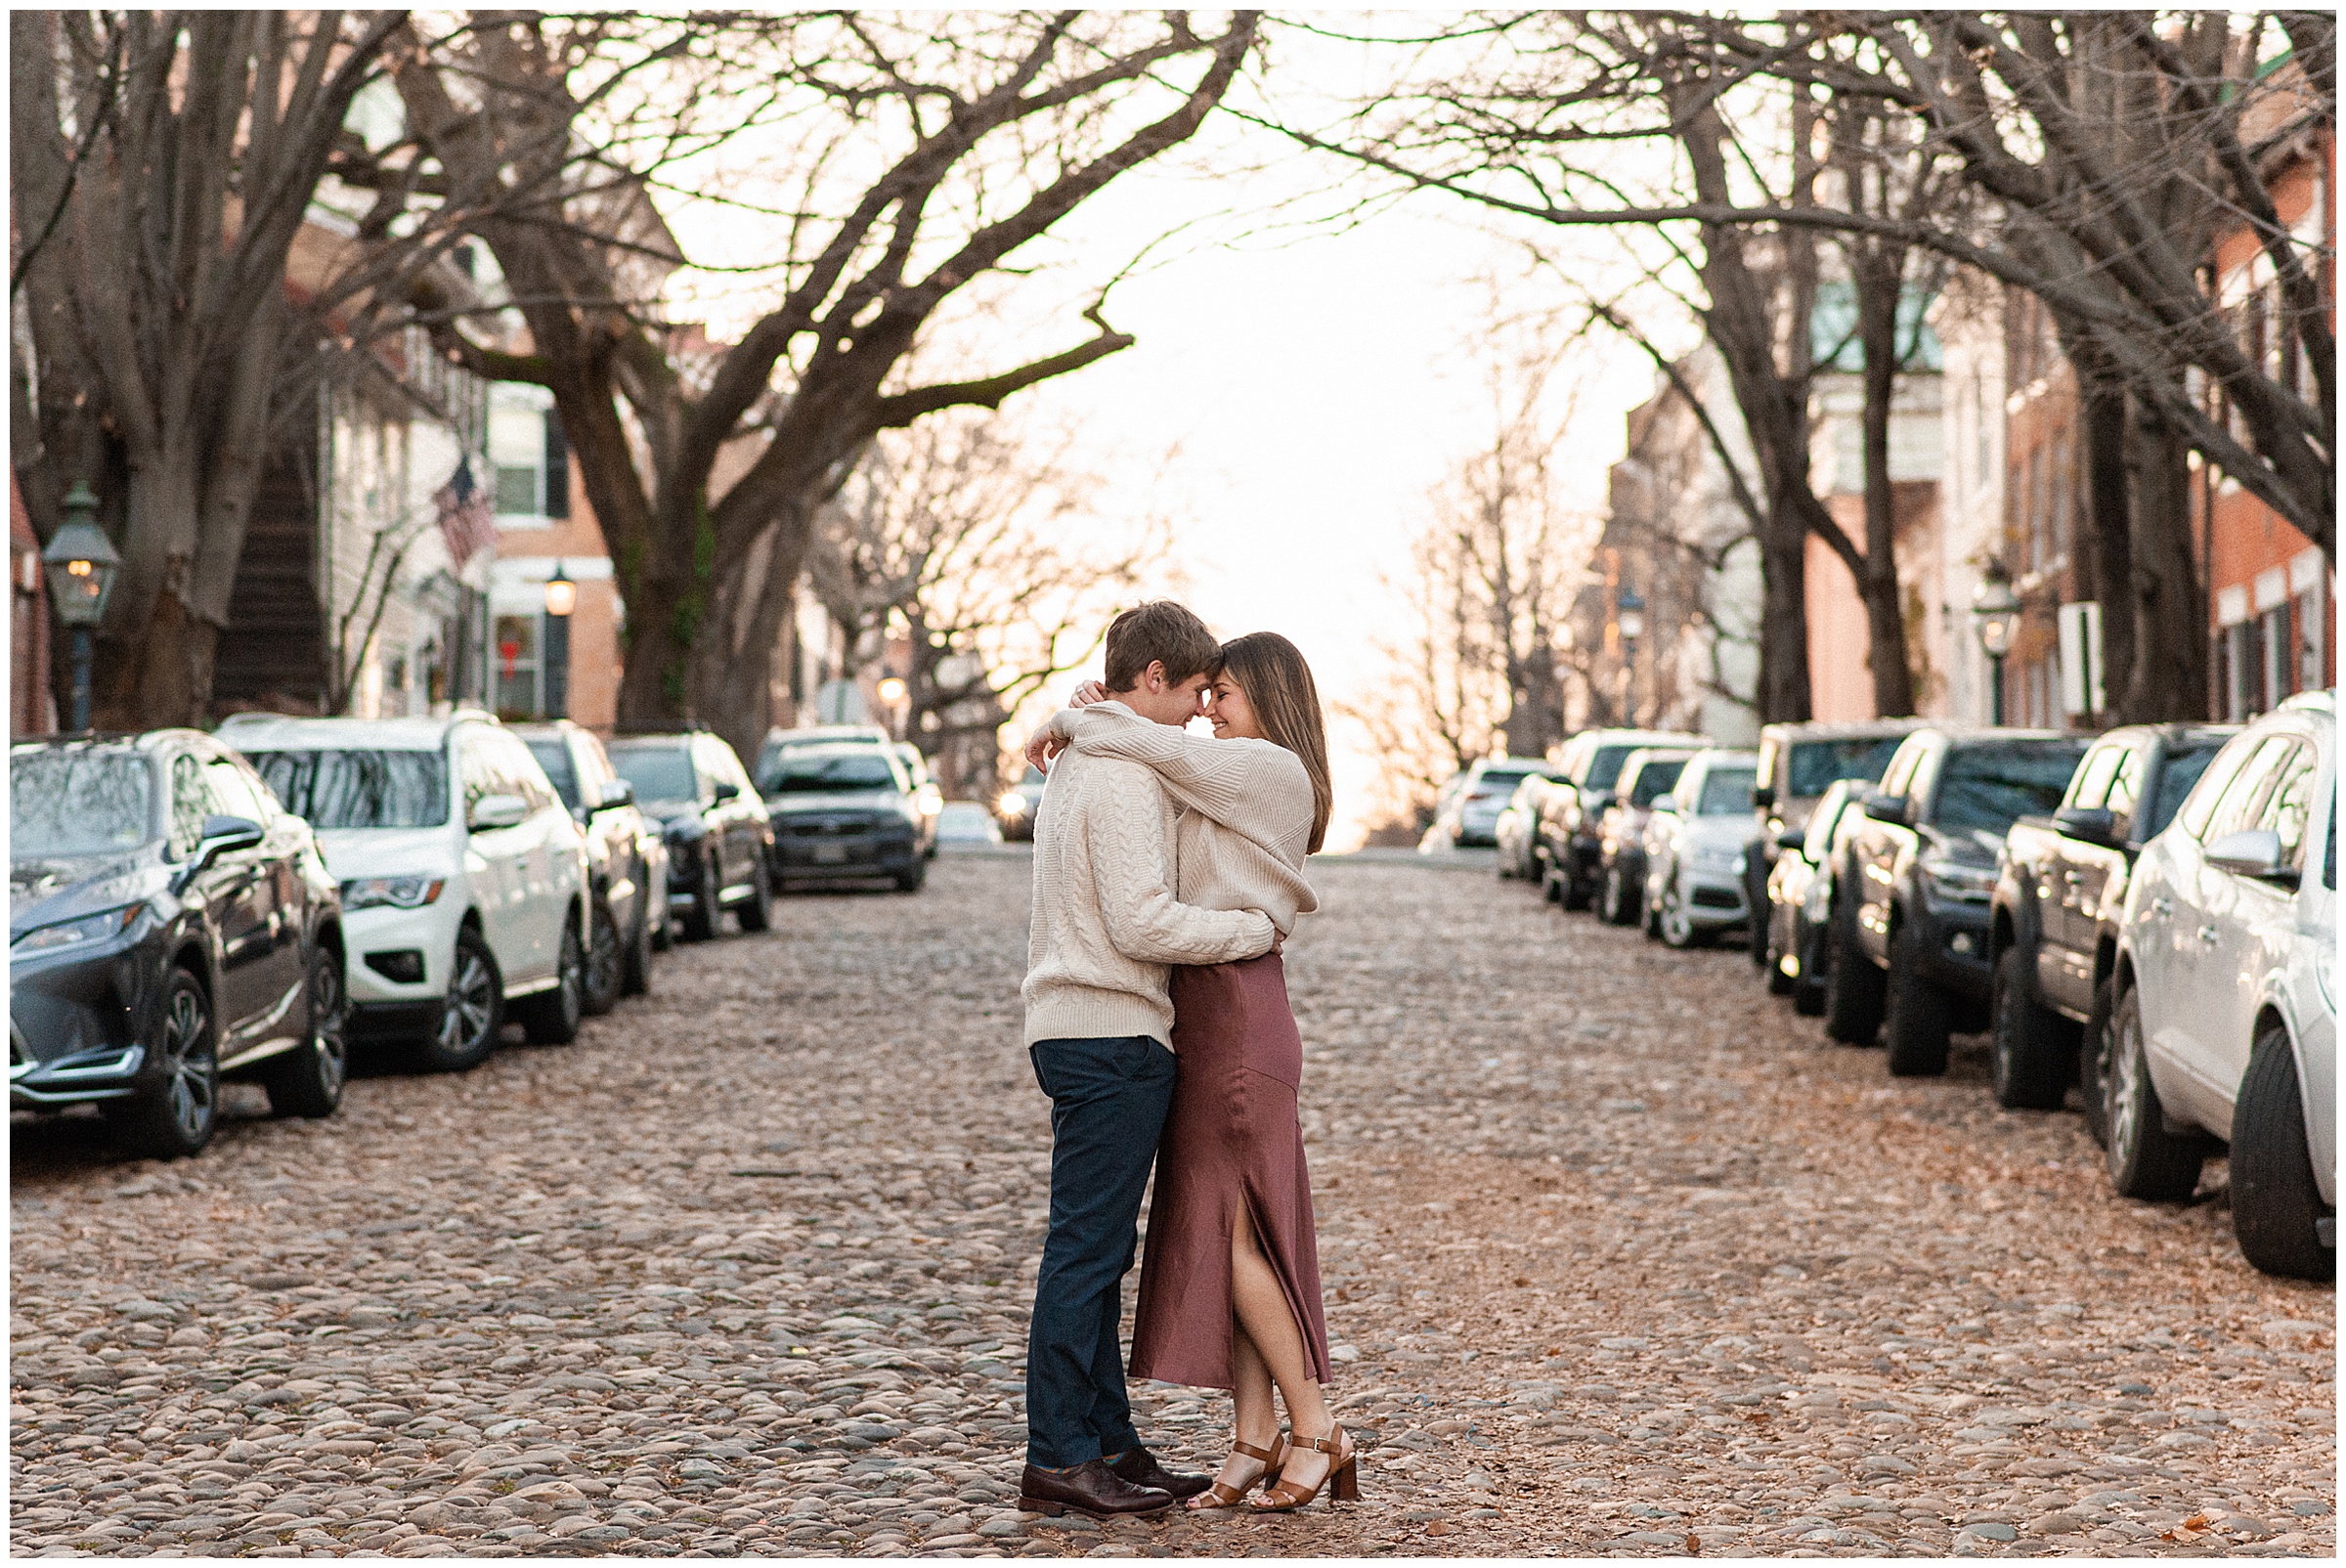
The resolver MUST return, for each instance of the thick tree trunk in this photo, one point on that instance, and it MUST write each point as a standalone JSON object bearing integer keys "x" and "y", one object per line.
{"x": 2102, "y": 417}
{"x": 1878, "y": 282}
{"x": 1784, "y": 689}
{"x": 2170, "y": 603}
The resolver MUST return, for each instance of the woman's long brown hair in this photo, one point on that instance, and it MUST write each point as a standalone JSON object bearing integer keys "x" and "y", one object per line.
{"x": 1278, "y": 686}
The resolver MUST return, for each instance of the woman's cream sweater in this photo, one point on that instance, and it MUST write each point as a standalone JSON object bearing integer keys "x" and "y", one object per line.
{"x": 1241, "y": 841}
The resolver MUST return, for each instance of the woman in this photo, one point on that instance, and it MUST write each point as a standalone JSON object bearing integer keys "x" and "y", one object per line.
{"x": 1230, "y": 1284}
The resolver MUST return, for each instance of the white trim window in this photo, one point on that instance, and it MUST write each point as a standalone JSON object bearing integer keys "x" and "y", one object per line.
{"x": 528, "y": 456}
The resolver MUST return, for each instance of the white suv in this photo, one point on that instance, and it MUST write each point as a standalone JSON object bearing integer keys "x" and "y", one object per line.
{"x": 462, "y": 874}
{"x": 2226, "y": 1024}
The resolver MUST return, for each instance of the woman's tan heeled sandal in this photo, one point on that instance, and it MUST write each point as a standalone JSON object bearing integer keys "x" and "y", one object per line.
{"x": 1221, "y": 1496}
{"x": 1343, "y": 1479}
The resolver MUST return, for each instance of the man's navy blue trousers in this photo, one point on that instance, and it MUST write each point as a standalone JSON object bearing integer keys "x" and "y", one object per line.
{"x": 1108, "y": 1100}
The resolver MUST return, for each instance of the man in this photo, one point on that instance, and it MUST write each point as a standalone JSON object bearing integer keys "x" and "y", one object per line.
{"x": 1098, "y": 1029}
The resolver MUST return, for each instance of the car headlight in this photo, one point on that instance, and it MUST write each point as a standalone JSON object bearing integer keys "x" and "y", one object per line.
{"x": 391, "y": 893}
{"x": 96, "y": 928}
{"x": 1012, "y": 805}
{"x": 1952, "y": 879}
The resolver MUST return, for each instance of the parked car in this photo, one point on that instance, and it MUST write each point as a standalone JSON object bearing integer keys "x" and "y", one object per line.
{"x": 170, "y": 925}
{"x": 1910, "y": 923}
{"x": 1695, "y": 849}
{"x": 1468, "y": 816}
{"x": 2225, "y": 1021}
{"x": 1621, "y": 832}
{"x": 847, "y": 811}
{"x": 1517, "y": 830}
{"x": 1798, "y": 763}
{"x": 627, "y": 861}
{"x": 1799, "y": 899}
{"x": 464, "y": 878}
{"x": 1586, "y": 774}
{"x": 720, "y": 846}
{"x": 2053, "y": 934}
{"x": 925, "y": 794}
{"x": 779, "y": 742}
{"x": 967, "y": 822}
{"x": 1020, "y": 806}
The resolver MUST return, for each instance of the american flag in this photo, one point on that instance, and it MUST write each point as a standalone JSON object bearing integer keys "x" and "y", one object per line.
{"x": 465, "y": 521}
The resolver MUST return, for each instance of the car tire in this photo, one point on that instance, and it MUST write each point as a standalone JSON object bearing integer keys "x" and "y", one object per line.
{"x": 1853, "y": 988}
{"x": 664, "y": 927}
{"x": 1770, "y": 959}
{"x": 635, "y": 962}
{"x": 551, "y": 1016}
{"x": 1576, "y": 893}
{"x": 473, "y": 1013}
{"x": 1673, "y": 925}
{"x": 1915, "y": 1026}
{"x": 700, "y": 921}
{"x": 1551, "y": 884}
{"x": 911, "y": 880}
{"x": 2028, "y": 1043}
{"x": 606, "y": 962}
{"x": 2093, "y": 1067}
{"x": 307, "y": 1080}
{"x": 2144, "y": 1159}
{"x": 178, "y": 1117}
{"x": 756, "y": 913}
{"x": 1612, "y": 904}
{"x": 2277, "y": 1208}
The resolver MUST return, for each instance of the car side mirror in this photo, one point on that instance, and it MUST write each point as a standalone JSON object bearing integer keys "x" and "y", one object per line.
{"x": 726, "y": 789}
{"x": 2252, "y": 853}
{"x": 1763, "y": 796}
{"x": 497, "y": 811}
{"x": 2088, "y": 824}
{"x": 1666, "y": 802}
{"x": 1791, "y": 841}
{"x": 1889, "y": 809}
{"x": 615, "y": 792}
{"x": 222, "y": 834}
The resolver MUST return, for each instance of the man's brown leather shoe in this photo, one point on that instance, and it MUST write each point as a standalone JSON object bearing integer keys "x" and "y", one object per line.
{"x": 1139, "y": 1466}
{"x": 1088, "y": 1488}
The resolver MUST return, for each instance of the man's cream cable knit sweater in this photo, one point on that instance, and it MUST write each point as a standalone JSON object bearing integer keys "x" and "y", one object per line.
{"x": 1106, "y": 922}
{"x": 1242, "y": 842}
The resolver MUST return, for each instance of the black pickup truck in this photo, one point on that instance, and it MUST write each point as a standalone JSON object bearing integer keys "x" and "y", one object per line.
{"x": 1910, "y": 935}
{"x": 2061, "y": 888}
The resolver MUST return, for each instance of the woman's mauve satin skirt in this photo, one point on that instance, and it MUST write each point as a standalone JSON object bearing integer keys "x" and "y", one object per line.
{"x": 1232, "y": 1142}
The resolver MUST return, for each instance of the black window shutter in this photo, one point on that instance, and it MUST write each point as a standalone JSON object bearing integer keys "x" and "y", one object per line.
{"x": 557, "y": 466}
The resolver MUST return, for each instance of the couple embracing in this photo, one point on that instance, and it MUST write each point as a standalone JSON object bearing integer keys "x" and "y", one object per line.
{"x": 1168, "y": 870}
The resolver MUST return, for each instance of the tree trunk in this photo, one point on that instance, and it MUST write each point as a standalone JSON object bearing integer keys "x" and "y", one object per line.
{"x": 2101, "y": 418}
{"x": 1878, "y": 277}
{"x": 2170, "y": 603}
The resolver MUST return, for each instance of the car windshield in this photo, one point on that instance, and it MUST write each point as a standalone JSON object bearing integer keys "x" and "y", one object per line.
{"x": 1816, "y": 763}
{"x": 657, "y": 772}
{"x": 774, "y": 755}
{"x": 1727, "y": 792}
{"x": 832, "y": 775}
{"x": 74, "y": 803}
{"x": 1604, "y": 768}
{"x": 1654, "y": 779}
{"x": 554, "y": 757}
{"x": 1987, "y": 788}
{"x": 2181, "y": 772}
{"x": 359, "y": 789}
{"x": 1499, "y": 781}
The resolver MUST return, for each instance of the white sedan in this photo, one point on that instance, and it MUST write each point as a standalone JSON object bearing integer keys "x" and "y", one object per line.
{"x": 2225, "y": 1028}
{"x": 1694, "y": 849}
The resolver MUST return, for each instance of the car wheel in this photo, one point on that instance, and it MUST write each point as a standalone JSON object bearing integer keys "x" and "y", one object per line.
{"x": 756, "y": 911}
{"x": 307, "y": 1080}
{"x": 473, "y": 1012}
{"x": 635, "y": 962}
{"x": 911, "y": 880}
{"x": 1853, "y": 988}
{"x": 700, "y": 921}
{"x": 1770, "y": 958}
{"x": 2027, "y": 1042}
{"x": 2093, "y": 1067}
{"x": 551, "y": 1016}
{"x": 1914, "y": 1012}
{"x": 1677, "y": 928}
{"x": 1577, "y": 893}
{"x": 1809, "y": 986}
{"x": 1551, "y": 884}
{"x": 2277, "y": 1208}
{"x": 606, "y": 964}
{"x": 1609, "y": 899}
{"x": 664, "y": 927}
{"x": 2145, "y": 1160}
{"x": 177, "y": 1115}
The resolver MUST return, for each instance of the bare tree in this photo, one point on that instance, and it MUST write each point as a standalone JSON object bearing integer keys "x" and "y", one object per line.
{"x": 917, "y": 157}
{"x": 981, "y": 547}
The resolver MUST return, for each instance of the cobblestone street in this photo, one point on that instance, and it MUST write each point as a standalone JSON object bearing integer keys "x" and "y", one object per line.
{"x": 1621, "y": 1256}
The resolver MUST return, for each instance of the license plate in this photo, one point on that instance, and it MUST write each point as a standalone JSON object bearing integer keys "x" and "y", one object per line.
{"x": 830, "y": 854}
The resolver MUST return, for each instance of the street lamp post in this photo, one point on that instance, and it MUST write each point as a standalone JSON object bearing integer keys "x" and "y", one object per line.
{"x": 1629, "y": 615}
{"x": 81, "y": 564}
{"x": 561, "y": 598}
{"x": 1995, "y": 616}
